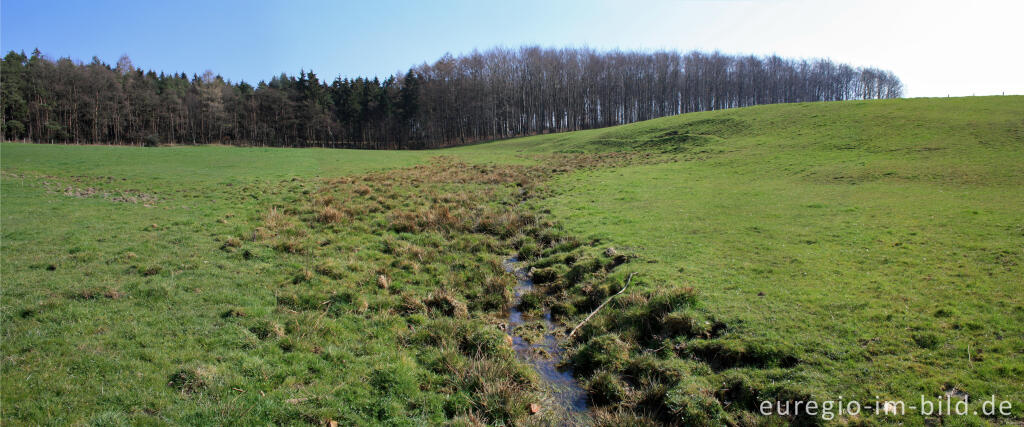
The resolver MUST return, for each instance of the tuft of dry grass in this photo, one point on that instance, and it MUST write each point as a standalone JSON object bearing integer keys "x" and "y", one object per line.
{"x": 291, "y": 245}
{"x": 231, "y": 243}
{"x": 410, "y": 305}
{"x": 324, "y": 201}
{"x": 445, "y": 302}
{"x": 303, "y": 276}
{"x": 329, "y": 215}
{"x": 261, "y": 234}
{"x": 265, "y": 330}
{"x": 274, "y": 219}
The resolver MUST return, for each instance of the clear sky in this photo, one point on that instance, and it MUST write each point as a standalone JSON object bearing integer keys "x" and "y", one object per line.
{"x": 936, "y": 47}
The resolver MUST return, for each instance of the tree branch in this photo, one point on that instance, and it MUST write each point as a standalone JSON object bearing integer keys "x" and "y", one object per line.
{"x": 592, "y": 313}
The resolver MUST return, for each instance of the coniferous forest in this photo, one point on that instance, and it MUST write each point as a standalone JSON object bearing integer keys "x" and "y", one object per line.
{"x": 495, "y": 94}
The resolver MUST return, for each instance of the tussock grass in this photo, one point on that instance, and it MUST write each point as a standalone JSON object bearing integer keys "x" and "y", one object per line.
{"x": 328, "y": 215}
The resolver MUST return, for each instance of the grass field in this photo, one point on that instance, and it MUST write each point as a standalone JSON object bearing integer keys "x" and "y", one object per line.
{"x": 784, "y": 252}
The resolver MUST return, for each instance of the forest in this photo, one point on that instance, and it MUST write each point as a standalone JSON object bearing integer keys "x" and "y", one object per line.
{"x": 494, "y": 94}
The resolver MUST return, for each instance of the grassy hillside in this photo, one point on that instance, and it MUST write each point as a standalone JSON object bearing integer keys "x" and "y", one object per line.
{"x": 859, "y": 249}
{"x": 880, "y": 243}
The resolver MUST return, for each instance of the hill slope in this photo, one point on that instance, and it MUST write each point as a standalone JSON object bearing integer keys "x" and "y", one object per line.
{"x": 861, "y": 249}
{"x": 880, "y": 243}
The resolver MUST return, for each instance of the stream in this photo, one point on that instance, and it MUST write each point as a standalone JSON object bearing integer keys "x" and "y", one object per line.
{"x": 565, "y": 397}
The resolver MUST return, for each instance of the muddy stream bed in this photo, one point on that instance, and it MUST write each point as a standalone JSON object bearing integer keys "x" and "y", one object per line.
{"x": 565, "y": 401}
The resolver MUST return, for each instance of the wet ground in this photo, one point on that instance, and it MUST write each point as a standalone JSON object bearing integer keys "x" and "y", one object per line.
{"x": 566, "y": 400}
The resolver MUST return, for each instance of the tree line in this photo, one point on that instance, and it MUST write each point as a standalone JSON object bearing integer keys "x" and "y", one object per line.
{"x": 494, "y": 94}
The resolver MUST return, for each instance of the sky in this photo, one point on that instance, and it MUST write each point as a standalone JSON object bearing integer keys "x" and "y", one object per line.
{"x": 937, "y": 48}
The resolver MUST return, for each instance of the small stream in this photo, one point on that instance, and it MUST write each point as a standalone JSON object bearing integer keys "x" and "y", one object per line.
{"x": 566, "y": 398}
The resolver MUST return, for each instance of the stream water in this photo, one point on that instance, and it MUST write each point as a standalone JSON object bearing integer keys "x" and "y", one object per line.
{"x": 569, "y": 401}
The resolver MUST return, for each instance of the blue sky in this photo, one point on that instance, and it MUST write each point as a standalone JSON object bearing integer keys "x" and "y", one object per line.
{"x": 936, "y": 47}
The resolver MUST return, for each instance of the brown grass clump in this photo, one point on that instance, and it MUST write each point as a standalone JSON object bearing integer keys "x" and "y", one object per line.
{"x": 323, "y": 201}
{"x": 404, "y": 221}
{"x": 632, "y": 299}
{"x": 303, "y": 276}
{"x": 328, "y": 215}
{"x": 274, "y": 219}
{"x": 497, "y": 294}
{"x": 501, "y": 222}
{"x": 234, "y": 312}
{"x": 189, "y": 381}
{"x": 411, "y": 305}
{"x": 231, "y": 243}
{"x": 444, "y": 302}
{"x": 261, "y": 234}
{"x": 441, "y": 217}
{"x": 292, "y": 245}
{"x": 150, "y": 270}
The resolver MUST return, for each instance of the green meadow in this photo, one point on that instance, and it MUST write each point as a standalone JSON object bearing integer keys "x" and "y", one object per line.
{"x": 861, "y": 250}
